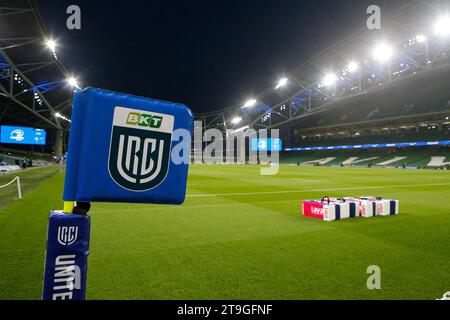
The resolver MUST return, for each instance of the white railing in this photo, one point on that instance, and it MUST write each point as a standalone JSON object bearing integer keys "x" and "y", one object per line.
{"x": 19, "y": 189}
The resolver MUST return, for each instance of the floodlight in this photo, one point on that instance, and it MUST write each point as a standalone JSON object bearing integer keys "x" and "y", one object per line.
{"x": 420, "y": 38}
{"x": 250, "y": 103}
{"x": 73, "y": 82}
{"x": 330, "y": 79}
{"x": 60, "y": 116}
{"x": 51, "y": 44}
{"x": 442, "y": 26}
{"x": 383, "y": 52}
{"x": 236, "y": 120}
{"x": 281, "y": 83}
{"x": 352, "y": 67}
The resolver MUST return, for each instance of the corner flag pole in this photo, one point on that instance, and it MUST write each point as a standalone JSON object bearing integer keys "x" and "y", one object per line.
{"x": 67, "y": 252}
{"x": 68, "y": 206}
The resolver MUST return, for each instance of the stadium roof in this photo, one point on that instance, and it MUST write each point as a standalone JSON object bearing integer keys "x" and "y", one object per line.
{"x": 33, "y": 81}
{"x": 414, "y": 40}
{"x": 34, "y": 86}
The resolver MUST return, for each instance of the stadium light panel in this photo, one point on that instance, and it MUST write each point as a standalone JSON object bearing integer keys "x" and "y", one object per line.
{"x": 73, "y": 82}
{"x": 383, "y": 53}
{"x": 236, "y": 120}
{"x": 353, "y": 67}
{"x": 330, "y": 79}
{"x": 51, "y": 44}
{"x": 442, "y": 26}
{"x": 60, "y": 116}
{"x": 283, "y": 82}
{"x": 250, "y": 103}
{"x": 420, "y": 38}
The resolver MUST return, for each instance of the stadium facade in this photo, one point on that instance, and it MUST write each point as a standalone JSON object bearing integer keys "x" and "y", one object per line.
{"x": 371, "y": 88}
{"x": 35, "y": 87}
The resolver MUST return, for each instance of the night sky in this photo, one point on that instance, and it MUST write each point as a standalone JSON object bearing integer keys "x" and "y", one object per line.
{"x": 206, "y": 54}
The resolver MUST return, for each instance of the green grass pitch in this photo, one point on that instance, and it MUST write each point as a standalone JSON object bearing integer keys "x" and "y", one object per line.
{"x": 240, "y": 236}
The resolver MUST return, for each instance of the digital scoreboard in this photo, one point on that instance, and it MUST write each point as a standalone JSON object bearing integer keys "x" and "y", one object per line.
{"x": 266, "y": 145}
{"x": 22, "y": 135}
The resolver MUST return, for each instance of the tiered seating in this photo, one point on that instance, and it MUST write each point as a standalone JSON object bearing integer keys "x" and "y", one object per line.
{"x": 418, "y": 158}
{"x": 372, "y": 138}
{"x": 6, "y": 159}
{"x": 424, "y": 95}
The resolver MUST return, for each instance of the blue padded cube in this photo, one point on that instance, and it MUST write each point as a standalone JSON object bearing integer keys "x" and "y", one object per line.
{"x": 120, "y": 149}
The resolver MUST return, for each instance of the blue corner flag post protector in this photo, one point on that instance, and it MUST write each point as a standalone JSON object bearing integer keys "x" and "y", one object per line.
{"x": 120, "y": 151}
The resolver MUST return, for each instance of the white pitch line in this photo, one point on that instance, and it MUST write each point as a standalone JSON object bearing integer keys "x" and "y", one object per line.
{"x": 313, "y": 190}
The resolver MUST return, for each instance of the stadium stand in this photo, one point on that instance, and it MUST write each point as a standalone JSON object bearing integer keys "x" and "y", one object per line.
{"x": 394, "y": 135}
{"x": 412, "y": 110}
{"x": 332, "y": 100}
{"x": 433, "y": 158}
{"x": 12, "y": 159}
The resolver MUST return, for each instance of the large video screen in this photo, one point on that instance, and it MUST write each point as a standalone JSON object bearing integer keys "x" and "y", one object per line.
{"x": 266, "y": 145}
{"x": 22, "y": 135}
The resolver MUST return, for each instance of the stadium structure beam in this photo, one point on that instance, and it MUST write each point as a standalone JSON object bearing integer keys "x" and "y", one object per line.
{"x": 305, "y": 86}
{"x": 309, "y": 111}
{"x": 24, "y": 39}
{"x": 20, "y": 44}
{"x": 310, "y": 91}
{"x": 20, "y": 103}
{"x": 43, "y": 30}
{"x": 327, "y": 105}
{"x": 32, "y": 85}
{"x": 39, "y": 65}
{"x": 64, "y": 105}
{"x": 3, "y": 112}
{"x": 12, "y": 91}
{"x": 311, "y": 98}
{"x": 5, "y": 92}
{"x": 13, "y": 11}
{"x": 408, "y": 56}
{"x": 414, "y": 118}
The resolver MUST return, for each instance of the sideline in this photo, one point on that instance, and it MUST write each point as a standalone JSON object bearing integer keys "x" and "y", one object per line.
{"x": 314, "y": 190}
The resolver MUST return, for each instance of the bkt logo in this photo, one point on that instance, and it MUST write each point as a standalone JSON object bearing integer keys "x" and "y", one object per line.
{"x": 67, "y": 235}
{"x": 144, "y": 120}
{"x": 139, "y": 154}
